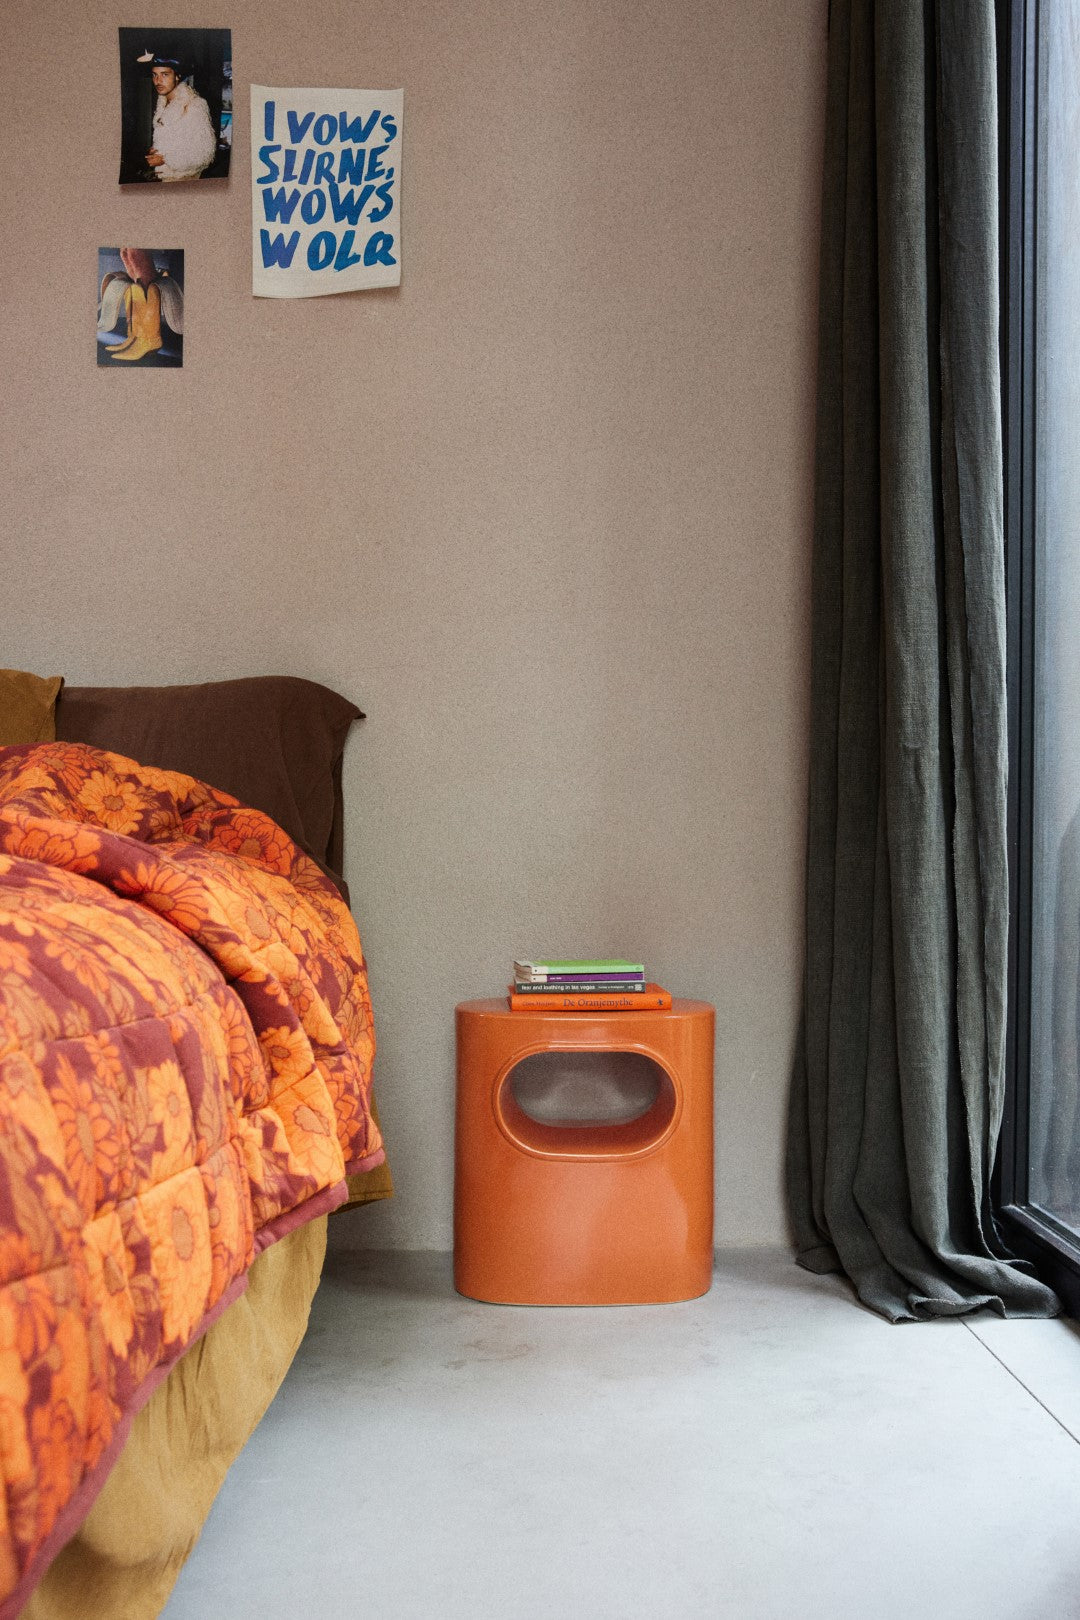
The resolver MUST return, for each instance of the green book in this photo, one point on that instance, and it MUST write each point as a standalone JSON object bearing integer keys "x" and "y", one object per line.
{"x": 579, "y": 968}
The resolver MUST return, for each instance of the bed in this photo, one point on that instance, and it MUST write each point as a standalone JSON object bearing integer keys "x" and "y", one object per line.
{"x": 186, "y": 1045}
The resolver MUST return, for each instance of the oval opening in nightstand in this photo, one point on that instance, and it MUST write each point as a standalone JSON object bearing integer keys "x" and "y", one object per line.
{"x": 592, "y": 1104}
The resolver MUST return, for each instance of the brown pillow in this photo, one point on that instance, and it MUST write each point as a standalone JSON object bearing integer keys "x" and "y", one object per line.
{"x": 27, "y": 703}
{"x": 273, "y": 741}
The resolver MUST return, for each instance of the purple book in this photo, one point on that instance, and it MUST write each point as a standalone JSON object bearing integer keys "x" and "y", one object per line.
{"x": 607, "y": 981}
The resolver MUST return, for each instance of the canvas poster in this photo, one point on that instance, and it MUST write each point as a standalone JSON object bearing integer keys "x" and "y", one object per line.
{"x": 175, "y": 104}
{"x": 325, "y": 191}
{"x": 140, "y": 307}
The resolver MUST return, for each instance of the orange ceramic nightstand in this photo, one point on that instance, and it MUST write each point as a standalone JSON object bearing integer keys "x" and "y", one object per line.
{"x": 583, "y": 1155}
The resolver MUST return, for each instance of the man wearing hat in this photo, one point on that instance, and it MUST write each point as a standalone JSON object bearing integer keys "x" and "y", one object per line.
{"x": 184, "y": 138}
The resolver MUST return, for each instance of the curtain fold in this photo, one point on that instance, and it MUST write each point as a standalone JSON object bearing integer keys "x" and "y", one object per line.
{"x": 898, "y": 1087}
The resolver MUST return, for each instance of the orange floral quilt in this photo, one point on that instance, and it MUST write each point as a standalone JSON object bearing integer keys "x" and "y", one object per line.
{"x": 185, "y": 1062}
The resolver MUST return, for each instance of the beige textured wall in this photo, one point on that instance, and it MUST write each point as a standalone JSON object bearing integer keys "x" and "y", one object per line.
{"x": 543, "y": 511}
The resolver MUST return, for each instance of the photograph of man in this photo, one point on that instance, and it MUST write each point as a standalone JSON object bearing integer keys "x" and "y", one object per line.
{"x": 185, "y": 141}
{"x": 175, "y": 85}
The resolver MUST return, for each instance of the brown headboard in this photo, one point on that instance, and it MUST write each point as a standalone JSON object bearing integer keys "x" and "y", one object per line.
{"x": 273, "y": 741}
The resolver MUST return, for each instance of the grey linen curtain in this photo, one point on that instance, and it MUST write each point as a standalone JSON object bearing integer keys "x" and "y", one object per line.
{"x": 897, "y": 1094}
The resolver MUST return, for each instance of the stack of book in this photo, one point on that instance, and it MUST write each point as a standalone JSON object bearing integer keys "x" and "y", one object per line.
{"x": 591, "y": 985}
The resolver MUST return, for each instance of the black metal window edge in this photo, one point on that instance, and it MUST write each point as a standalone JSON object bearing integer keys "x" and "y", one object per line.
{"x": 1031, "y": 1232}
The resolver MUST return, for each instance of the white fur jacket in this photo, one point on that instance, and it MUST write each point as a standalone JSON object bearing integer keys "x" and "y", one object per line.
{"x": 183, "y": 134}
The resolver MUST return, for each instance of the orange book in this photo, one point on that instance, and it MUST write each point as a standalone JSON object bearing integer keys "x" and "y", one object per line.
{"x": 651, "y": 999}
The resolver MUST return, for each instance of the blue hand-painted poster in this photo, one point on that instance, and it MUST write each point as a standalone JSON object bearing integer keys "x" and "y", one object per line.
{"x": 325, "y": 191}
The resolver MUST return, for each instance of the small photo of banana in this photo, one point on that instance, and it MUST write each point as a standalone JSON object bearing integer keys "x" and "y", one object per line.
{"x": 140, "y": 307}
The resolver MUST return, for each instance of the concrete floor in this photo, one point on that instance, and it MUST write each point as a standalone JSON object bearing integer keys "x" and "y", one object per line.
{"x": 770, "y": 1450}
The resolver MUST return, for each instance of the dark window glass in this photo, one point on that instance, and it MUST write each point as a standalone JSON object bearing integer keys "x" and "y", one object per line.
{"x": 1054, "y": 1097}
{"x": 1039, "y": 1169}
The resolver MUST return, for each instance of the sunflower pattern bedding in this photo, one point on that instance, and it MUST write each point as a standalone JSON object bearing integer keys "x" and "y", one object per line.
{"x": 185, "y": 1060}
